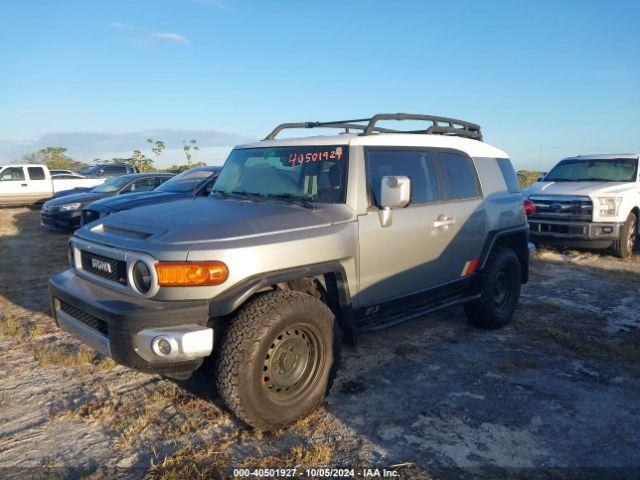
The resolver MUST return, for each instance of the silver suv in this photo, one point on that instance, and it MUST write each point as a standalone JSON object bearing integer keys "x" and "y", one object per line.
{"x": 301, "y": 241}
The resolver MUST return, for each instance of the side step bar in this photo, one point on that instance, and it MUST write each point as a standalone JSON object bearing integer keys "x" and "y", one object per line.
{"x": 380, "y": 322}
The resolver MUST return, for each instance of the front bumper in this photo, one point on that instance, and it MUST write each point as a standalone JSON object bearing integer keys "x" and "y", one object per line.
{"x": 61, "y": 220}
{"x": 568, "y": 232}
{"x": 124, "y": 327}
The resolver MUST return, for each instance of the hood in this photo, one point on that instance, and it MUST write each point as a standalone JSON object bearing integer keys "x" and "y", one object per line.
{"x": 133, "y": 200}
{"x": 85, "y": 197}
{"x": 207, "y": 219}
{"x": 73, "y": 191}
{"x": 578, "y": 188}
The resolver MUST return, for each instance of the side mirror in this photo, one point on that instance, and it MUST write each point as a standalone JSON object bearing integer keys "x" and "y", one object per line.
{"x": 395, "y": 192}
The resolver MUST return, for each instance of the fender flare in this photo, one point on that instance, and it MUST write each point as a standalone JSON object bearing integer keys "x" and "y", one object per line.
{"x": 521, "y": 233}
{"x": 232, "y": 299}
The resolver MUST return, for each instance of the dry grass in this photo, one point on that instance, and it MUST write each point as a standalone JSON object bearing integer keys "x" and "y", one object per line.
{"x": 62, "y": 355}
{"x": 627, "y": 349}
{"x": 10, "y": 327}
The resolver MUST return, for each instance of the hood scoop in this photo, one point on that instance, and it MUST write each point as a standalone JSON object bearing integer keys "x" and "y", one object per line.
{"x": 119, "y": 231}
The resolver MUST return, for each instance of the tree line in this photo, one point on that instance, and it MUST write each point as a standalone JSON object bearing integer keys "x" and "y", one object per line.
{"x": 57, "y": 158}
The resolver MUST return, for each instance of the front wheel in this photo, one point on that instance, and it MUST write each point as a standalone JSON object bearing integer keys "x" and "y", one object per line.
{"x": 500, "y": 283}
{"x": 278, "y": 358}
{"x": 623, "y": 246}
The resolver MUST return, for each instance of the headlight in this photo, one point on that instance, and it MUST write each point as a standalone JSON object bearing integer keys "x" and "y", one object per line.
{"x": 609, "y": 206}
{"x": 71, "y": 256}
{"x": 70, "y": 206}
{"x": 141, "y": 277}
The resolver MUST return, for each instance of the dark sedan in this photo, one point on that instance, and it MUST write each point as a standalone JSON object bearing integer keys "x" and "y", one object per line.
{"x": 194, "y": 182}
{"x": 64, "y": 212}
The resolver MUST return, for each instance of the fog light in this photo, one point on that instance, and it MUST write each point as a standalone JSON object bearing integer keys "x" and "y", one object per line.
{"x": 163, "y": 346}
{"x": 607, "y": 229}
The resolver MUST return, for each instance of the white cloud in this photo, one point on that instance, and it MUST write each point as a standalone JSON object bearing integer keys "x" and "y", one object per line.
{"x": 89, "y": 145}
{"x": 169, "y": 37}
{"x": 121, "y": 25}
{"x": 220, "y": 4}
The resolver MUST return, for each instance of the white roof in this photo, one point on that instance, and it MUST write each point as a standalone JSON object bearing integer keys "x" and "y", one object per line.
{"x": 605, "y": 156}
{"x": 473, "y": 148}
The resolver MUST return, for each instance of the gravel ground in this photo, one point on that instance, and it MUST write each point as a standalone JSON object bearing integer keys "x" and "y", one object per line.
{"x": 555, "y": 394}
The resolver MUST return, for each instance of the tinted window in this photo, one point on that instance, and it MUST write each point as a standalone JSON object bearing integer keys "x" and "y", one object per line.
{"x": 142, "y": 185}
{"x": 36, "y": 173}
{"x": 509, "y": 174}
{"x": 417, "y": 165}
{"x": 12, "y": 174}
{"x": 115, "y": 169}
{"x": 460, "y": 177}
{"x": 185, "y": 182}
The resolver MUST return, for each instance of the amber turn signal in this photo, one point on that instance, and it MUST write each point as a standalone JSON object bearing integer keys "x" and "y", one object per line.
{"x": 190, "y": 274}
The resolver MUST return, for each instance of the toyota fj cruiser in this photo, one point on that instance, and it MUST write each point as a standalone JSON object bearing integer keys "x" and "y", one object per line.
{"x": 302, "y": 240}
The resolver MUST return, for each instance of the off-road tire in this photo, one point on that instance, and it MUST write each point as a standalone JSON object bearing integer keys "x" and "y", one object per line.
{"x": 623, "y": 246}
{"x": 248, "y": 344}
{"x": 494, "y": 310}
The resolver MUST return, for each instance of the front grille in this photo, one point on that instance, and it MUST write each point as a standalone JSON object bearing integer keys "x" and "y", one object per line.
{"x": 562, "y": 208}
{"x": 89, "y": 216}
{"x": 105, "y": 267}
{"x": 46, "y": 209}
{"x": 84, "y": 317}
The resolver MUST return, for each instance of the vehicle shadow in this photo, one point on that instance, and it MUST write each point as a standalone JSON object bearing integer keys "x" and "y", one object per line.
{"x": 29, "y": 255}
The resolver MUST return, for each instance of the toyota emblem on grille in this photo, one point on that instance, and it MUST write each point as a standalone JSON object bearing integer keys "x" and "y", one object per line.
{"x": 101, "y": 265}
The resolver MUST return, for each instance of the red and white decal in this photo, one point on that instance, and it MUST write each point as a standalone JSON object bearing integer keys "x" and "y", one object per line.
{"x": 470, "y": 267}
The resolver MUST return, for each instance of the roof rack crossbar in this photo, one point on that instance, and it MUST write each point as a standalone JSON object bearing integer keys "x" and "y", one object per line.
{"x": 451, "y": 126}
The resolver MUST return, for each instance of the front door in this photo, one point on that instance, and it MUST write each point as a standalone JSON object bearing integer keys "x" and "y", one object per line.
{"x": 14, "y": 187}
{"x": 414, "y": 253}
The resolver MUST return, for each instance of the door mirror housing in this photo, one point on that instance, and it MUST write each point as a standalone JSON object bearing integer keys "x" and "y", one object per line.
{"x": 395, "y": 192}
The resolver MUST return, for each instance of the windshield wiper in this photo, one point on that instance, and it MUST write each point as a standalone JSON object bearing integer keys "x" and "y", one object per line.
{"x": 239, "y": 194}
{"x": 297, "y": 199}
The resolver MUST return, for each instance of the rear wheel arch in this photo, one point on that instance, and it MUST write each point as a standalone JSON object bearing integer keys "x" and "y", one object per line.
{"x": 515, "y": 239}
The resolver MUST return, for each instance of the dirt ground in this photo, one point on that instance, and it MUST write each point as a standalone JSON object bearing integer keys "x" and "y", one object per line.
{"x": 557, "y": 393}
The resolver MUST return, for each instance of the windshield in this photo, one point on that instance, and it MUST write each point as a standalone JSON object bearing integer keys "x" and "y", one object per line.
{"x": 616, "y": 170}
{"x": 314, "y": 173}
{"x": 112, "y": 185}
{"x": 185, "y": 182}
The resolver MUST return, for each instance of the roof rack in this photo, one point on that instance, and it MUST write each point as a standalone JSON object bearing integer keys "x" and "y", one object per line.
{"x": 439, "y": 126}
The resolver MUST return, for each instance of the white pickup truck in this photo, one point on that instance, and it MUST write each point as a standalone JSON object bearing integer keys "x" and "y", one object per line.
{"x": 28, "y": 184}
{"x": 590, "y": 201}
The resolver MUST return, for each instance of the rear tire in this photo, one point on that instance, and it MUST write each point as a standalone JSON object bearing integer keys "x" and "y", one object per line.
{"x": 278, "y": 359}
{"x": 500, "y": 284}
{"x": 623, "y": 246}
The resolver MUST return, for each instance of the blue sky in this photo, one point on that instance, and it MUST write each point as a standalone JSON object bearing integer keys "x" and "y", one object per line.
{"x": 545, "y": 79}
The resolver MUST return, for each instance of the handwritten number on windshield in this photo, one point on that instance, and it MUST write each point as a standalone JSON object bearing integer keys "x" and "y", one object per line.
{"x": 300, "y": 158}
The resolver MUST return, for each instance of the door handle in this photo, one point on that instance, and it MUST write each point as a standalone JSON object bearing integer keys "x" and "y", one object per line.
{"x": 443, "y": 221}
{"x": 25, "y": 185}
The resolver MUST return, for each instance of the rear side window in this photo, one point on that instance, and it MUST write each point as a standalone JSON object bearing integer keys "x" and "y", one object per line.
{"x": 115, "y": 169}
{"x": 509, "y": 174}
{"x": 36, "y": 173}
{"x": 415, "y": 164}
{"x": 459, "y": 175}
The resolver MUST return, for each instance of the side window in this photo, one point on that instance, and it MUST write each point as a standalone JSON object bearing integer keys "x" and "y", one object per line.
{"x": 460, "y": 177}
{"x": 509, "y": 174}
{"x": 12, "y": 174}
{"x": 119, "y": 169}
{"x": 36, "y": 173}
{"x": 415, "y": 164}
{"x": 143, "y": 185}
